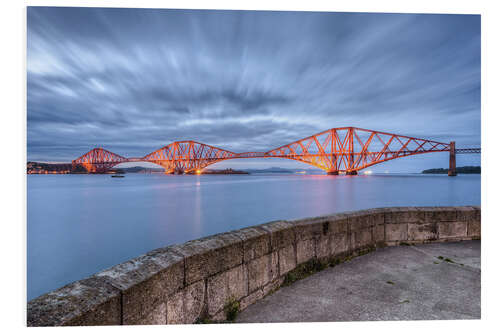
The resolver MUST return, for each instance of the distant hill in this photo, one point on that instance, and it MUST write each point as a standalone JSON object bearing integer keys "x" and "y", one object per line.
{"x": 284, "y": 170}
{"x": 464, "y": 169}
{"x": 138, "y": 169}
{"x": 269, "y": 170}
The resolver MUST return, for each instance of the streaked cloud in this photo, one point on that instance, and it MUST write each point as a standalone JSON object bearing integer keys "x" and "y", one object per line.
{"x": 133, "y": 80}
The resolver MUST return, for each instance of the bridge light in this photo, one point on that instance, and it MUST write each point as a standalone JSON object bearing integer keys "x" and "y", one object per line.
{"x": 198, "y": 172}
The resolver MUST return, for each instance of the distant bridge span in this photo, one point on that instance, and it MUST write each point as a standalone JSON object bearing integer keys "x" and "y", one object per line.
{"x": 337, "y": 150}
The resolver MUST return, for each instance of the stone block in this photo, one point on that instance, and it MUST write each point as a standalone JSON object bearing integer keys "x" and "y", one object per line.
{"x": 378, "y": 233}
{"x": 87, "y": 302}
{"x": 262, "y": 270}
{"x": 474, "y": 228}
{"x": 359, "y": 221}
{"x": 194, "y": 297}
{"x": 273, "y": 285}
{"x": 223, "y": 286}
{"x": 287, "y": 259}
{"x": 361, "y": 238}
{"x": 340, "y": 243}
{"x": 440, "y": 214}
{"x": 337, "y": 223}
{"x": 377, "y": 215}
{"x": 282, "y": 234}
{"x": 305, "y": 250}
{"x": 323, "y": 246}
{"x": 422, "y": 231}
{"x": 466, "y": 214}
{"x": 219, "y": 316}
{"x": 145, "y": 282}
{"x": 157, "y": 316}
{"x": 211, "y": 255}
{"x": 307, "y": 229}
{"x": 175, "y": 308}
{"x": 452, "y": 229}
{"x": 404, "y": 215}
{"x": 396, "y": 232}
{"x": 256, "y": 242}
{"x": 250, "y": 299}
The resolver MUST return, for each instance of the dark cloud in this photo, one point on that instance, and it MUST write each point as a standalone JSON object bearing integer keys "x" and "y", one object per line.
{"x": 134, "y": 80}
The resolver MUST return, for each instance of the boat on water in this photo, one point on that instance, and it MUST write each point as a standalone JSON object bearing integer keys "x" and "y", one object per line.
{"x": 117, "y": 176}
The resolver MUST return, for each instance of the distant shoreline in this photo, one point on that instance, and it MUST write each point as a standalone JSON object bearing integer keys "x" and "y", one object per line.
{"x": 463, "y": 170}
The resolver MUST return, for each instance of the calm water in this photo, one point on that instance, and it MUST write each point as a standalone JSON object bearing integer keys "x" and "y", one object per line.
{"x": 81, "y": 224}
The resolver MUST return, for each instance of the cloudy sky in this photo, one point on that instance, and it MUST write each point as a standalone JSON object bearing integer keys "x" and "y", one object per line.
{"x": 134, "y": 80}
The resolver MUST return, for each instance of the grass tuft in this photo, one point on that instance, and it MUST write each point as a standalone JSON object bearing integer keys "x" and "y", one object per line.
{"x": 231, "y": 309}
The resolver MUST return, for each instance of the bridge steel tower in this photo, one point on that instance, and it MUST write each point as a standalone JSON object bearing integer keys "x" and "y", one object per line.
{"x": 452, "y": 171}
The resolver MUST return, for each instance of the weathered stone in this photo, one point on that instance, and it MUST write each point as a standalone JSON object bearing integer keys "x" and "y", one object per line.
{"x": 87, "y": 302}
{"x": 396, "y": 232}
{"x": 307, "y": 229}
{"x": 223, "y": 286}
{"x": 422, "y": 231}
{"x": 250, "y": 299}
{"x": 474, "y": 228}
{"x": 157, "y": 316}
{"x": 378, "y": 233}
{"x": 194, "y": 296}
{"x": 211, "y": 255}
{"x": 175, "y": 308}
{"x": 377, "y": 215}
{"x": 359, "y": 221}
{"x": 338, "y": 223}
{"x": 262, "y": 270}
{"x": 305, "y": 250}
{"x": 146, "y": 281}
{"x": 282, "y": 234}
{"x": 256, "y": 242}
{"x": 440, "y": 214}
{"x": 477, "y": 216}
{"x": 465, "y": 214}
{"x": 287, "y": 259}
{"x": 452, "y": 229}
{"x": 323, "y": 246}
{"x": 361, "y": 238}
{"x": 339, "y": 244}
{"x": 219, "y": 316}
{"x": 404, "y": 215}
{"x": 273, "y": 285}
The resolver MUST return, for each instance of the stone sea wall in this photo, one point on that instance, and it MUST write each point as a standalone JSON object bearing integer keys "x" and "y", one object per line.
{"x": 194, "y": 281}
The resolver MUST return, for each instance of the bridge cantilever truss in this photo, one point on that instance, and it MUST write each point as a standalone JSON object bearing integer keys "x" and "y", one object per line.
{"x": 342, "y": 149}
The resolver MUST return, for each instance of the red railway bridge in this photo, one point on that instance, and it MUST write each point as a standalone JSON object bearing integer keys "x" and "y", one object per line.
{"x": 337, "y": 150}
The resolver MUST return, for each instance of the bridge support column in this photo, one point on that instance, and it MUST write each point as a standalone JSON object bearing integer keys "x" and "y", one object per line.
{"x": 452, "y": 171}
{"x": 351, "y": 173}
{"x": 332, "y": 173}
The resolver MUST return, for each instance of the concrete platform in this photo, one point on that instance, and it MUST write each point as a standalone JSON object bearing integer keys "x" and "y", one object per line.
{"x": 394, "y": 283}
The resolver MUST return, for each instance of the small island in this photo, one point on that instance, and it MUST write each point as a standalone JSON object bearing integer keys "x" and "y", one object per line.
{"x": 228, "y": 171}
{"x": 464, "y": 169}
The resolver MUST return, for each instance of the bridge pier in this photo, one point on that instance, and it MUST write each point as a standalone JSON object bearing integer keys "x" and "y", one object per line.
{"x": 351, "y": 173}
{"x": 452, "y": 171}
{"x": 332, "y": 173}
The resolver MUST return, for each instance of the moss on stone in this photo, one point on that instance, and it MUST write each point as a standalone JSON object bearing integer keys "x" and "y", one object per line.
{"x": 231, "y": 309}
